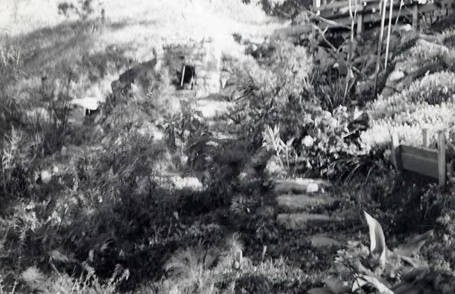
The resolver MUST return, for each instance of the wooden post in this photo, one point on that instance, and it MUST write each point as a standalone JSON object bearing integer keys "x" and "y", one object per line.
{"x": 183, "y": 75}
{"x": 381, "y": 36}
{"x": 449, "y": 167}
{"x": 415, "y": 16}
{"x": 389, "y": 29}
{"x": 395, "y": 151}
{"x": 316, "y": 5}
{"x": 425, "y": 138}
{"x": 359, "y": 23}
{"x": 442, "y": 158}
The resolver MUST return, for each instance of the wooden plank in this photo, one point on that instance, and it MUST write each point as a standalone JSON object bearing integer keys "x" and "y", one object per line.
{"x": 359, "y": 24}
{"x": 425, "y": 138}
{"x": 442, "y": 158}
{"x": 420, "y": 152}
{"x": 395, "y": 152}
{"x": 345, "y": 4}
{"x": 415, "y": 16}
{"x": 368, "y": 11}
{"x": 421, "y": 165}
{"x": 317, "y": 6}
{"x": 341, "y": 9}
{"x": 374, "y": 4}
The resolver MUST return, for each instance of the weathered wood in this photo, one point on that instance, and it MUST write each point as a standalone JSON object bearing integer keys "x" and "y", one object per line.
{"x": 420, "y": 160}
{"x": 369, "y": 12}
{"x": 344, "y": 4}
{"x": 425, "y": 138}
{"x": 316, "y": 6}
{"x": 395, "y": 152}
{"x": 183, "y": 75}
{"x": 359, "y": 23}
{"x": 415, "y": 16}
{"x": 389, "y": 30}
{"x": 422, "y": 152}
{"x": 442, "y": 158}
{"x": 421, "y": 165}
{"x": 373, "y": 5}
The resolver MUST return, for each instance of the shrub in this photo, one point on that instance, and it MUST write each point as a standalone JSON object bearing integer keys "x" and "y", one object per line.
{"x": 284, "y": 111}
{"x": 269, "y": 87}
{"x": 428, "y": 103}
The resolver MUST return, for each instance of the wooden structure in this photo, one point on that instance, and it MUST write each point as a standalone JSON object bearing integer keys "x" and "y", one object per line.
{"x": 422, "y": 160}
{"x": 337, "y": 12}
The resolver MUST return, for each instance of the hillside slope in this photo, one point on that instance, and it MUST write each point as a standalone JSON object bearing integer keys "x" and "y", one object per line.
{"x": 45, "y": 42}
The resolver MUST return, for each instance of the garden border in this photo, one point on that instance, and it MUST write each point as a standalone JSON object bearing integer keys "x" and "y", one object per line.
{"x": 423, "y": 160}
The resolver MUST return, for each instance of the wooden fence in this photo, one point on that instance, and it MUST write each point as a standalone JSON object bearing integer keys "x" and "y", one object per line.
{"x": 423, "y": 160}
{"x": 337, "y": 13}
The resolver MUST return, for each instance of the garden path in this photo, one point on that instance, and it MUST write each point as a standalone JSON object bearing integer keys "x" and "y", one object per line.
{"x": 302, "y": 204}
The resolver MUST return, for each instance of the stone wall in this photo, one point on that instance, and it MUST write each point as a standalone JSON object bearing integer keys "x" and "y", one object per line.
{"x": 204, "y": 56}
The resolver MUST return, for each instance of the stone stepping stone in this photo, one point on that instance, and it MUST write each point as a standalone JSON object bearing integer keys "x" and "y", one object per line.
{"x": 321, "y": 240}
{"x": 299, "y": 186}
{"x": 303, "y": 201}
{"x": 212, "y": 108}
{"x": 295, "y": 221}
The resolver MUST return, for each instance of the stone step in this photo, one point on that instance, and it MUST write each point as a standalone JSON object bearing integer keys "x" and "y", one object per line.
{"x": 300, "y": 185}
{"x": 321, "y": 240}
{"x": 212, "y": 109}
{"x": 295, "y": 221}
{"x": 303, "y": 201}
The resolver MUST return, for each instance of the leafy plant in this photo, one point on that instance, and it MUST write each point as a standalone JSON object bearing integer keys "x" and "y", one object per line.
{"x": 377, "y": 267}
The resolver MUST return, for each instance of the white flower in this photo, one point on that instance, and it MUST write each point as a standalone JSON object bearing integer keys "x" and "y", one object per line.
{"x": 308, "y": 141}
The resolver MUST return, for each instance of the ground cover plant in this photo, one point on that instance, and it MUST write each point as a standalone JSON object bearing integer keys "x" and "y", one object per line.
{"x": 149, "y": 194}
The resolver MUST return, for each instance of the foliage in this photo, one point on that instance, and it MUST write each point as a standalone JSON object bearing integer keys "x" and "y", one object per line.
{"x": 82, "y": 8}
{"x": 426, "y": 104}
{"x": 356, "y": 267}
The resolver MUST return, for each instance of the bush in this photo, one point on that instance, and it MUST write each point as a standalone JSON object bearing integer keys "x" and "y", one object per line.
{"x": 285, "y": 109}
{"x": 428, "y": 103}
{"x": 269, "y": 87}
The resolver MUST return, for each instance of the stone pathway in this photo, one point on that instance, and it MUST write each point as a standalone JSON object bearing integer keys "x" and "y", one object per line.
{"x": 300, "y": 202}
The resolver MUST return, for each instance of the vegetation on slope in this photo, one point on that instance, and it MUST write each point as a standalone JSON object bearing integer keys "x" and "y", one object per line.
{"x": 93, "y": 204}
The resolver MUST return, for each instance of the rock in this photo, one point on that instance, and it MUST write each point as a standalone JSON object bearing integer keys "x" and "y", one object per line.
{"x": 192, "y": 183}
{"x": 396, "y": 75}
{"x": 320, "y": 291}
{"x": 295, "y": 221}
{"x": 89, "y": 103}
{"x": 302, "y": 201}
{"x": 299, "y": 186}
{"x": 323, "y": 241}
{"x": 312, "y": 188}
{"x": 212, "y": 108}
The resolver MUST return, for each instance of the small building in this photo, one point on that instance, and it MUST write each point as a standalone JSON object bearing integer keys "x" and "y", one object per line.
{"x": 194, "y": 66}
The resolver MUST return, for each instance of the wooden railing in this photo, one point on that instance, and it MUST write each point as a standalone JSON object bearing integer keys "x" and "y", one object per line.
{"x": 423, "y": 160}
{"x": 368, "y": 11}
